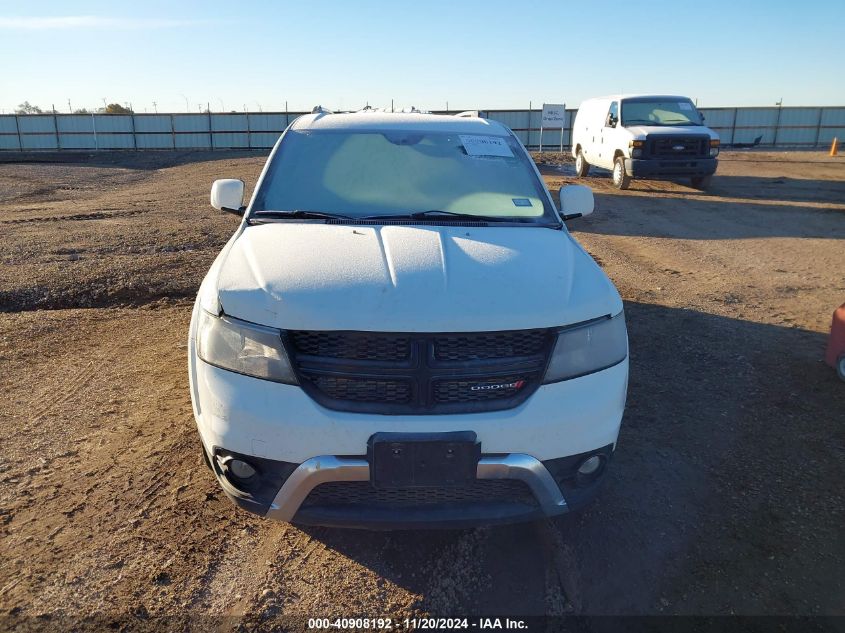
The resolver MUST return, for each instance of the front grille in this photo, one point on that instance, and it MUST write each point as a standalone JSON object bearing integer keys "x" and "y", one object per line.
{"x": 678, "y": 146}
{"x": 420, "y": 373}
{"x": 362, "y": 493}
{"x": 363, "y": 390}
{"x": 464, "y": 347}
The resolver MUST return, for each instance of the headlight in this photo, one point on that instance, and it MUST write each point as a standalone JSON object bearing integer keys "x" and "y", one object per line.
{"x": 246, "y": 348}
{"x": 587, "y": 348}
{"x": 714, "y": 147}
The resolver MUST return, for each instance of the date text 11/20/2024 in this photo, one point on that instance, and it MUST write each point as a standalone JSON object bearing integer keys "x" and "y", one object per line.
{"x": 433, "y": 624}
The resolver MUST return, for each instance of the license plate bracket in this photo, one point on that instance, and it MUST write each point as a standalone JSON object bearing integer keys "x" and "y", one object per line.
{"x": 418, "y": 460}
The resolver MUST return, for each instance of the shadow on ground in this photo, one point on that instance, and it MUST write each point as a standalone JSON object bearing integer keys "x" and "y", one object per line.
{"x": 724, "y": 494}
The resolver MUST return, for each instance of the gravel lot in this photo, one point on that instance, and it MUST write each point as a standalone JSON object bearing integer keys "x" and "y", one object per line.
{"x": 726, "y": 492}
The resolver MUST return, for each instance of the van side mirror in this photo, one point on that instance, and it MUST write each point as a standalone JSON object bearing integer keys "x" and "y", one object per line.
{"x": 228, "y": 195}
{"x": 576, "y": 201}
{"x": 611, "y": 120}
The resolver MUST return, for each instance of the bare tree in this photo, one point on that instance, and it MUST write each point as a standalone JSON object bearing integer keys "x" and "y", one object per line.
{"x": 27, "y": 108}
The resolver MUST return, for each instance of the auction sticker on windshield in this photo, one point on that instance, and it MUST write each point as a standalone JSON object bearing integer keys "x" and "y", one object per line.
{"x": 477, "y": 145}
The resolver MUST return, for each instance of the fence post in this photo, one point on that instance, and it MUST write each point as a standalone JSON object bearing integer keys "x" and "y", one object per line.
{"x": 248, "y": 134}
{"x": 172, "y": 131}
{"x": 18, "y": 130}
{"x": 819, "y": 126}
{"x": 210, "y": 134}
{"x": 733, "y": 127}
{"x": 94, "y": 127}
{"x": 56, "y": 128}
{"x": 777, "y": 126}
{"x": 134, "y": 136}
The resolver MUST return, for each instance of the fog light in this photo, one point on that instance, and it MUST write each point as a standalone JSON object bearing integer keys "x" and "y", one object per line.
{"x": 590, "y": 466}
{"x": 241, "y": 469}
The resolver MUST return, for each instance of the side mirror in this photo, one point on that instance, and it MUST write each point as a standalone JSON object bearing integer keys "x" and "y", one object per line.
{"x": 611, "y": 120}
{"x": 576, "y": 201}
{"x": 228, "y": 195}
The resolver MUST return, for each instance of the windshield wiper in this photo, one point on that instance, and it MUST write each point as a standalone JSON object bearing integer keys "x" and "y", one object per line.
{"x": 435, "y": 213}
{"x": 299, "y": 214}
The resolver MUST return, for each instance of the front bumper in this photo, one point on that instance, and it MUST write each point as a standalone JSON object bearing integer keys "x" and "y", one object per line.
{"x": 655, "y": 167}
{"x": 547, "y": 483}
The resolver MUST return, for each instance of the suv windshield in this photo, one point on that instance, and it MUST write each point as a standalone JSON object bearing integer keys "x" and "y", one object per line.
{"x": 659, "y": 112}
{"x": 370, "y": 174}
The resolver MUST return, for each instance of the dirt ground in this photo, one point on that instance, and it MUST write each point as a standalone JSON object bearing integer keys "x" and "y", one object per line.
{"x": 726, "y": 491}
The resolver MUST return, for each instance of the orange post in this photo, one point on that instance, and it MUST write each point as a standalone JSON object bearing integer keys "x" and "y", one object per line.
{"x": 834, "y": 147}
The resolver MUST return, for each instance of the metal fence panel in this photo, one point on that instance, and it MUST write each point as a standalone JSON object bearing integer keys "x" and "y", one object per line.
{"x": 260, "y": 140}
{"x": 38, "y": 141}
{"x": 37, "y": 124}
{"x": 115, "y": 141}
{"x": 230, "y": 140}
{"x": 229, "y": 122}
{"x": 791, "y": 126}
{"x": 113, "y": 123}
{"x": 75, "y": 123}
{"x": 833, "y": 116}
{"x": 148, "y": 123}
{"x": 9, "y": 142}
{"x": 193, "y": 141}
{"x": 80, "y": 141}
{"x": 191, "y": 123}
{"x": 8, "y": 125}
{"x": 155, "y": 141}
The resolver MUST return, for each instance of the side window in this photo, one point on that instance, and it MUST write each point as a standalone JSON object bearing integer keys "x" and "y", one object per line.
{"x": 613, "y": 114}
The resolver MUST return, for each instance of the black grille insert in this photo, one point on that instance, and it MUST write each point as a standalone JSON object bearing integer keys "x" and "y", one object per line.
{"x": 420, "y": 373}
{"x": 352, "y": 346}
{"x": 362, "y": 493}
{"x": 464, "y": 347}
{"x": 363, "y": 389}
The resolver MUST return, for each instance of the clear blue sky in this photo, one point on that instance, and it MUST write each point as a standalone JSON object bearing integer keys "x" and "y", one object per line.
{"x": 473, "y": 54}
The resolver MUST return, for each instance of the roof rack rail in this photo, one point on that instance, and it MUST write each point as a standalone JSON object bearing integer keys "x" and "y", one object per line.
{"x": 318, "y": 109}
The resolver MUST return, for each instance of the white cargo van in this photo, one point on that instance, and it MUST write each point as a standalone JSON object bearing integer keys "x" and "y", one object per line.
{"x": 403, "y": 333}
{"x": 644, "y": 136}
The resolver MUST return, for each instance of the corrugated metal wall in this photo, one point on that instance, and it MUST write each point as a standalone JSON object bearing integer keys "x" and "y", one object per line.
{"x": 776, "y": 127}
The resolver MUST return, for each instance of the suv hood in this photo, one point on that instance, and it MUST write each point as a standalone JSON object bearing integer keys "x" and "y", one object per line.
{"x": 641, "y": 131}
{"x": 411, "y": 278}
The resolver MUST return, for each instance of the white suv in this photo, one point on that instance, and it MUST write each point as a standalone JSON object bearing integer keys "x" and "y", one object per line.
{"x": 644, "y": 136}
{"x": 402, "y": 333}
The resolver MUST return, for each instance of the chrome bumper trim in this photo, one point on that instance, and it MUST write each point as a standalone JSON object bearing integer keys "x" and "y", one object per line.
{"x": 326, "y": 468}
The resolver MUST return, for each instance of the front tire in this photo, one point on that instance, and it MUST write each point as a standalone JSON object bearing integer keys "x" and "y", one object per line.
{"x": 621, "y": 180}
{"x": 582, "y": 167}
{"x": 702, "y": 182}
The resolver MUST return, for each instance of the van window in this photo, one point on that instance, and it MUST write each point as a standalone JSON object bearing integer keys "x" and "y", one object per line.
{"x": 659, "y": 111}
{"x": 612, "y": 113}
{"x": 366, "y": 173}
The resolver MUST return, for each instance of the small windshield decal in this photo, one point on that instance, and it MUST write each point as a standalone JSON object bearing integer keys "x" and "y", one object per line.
{"x": 485, "y": 145}
{"x": 521, "y": 202}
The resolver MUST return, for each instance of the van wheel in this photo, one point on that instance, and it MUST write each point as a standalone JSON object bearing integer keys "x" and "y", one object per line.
{"x": 582, "y": 167}
{"x": 621, "y": 180}
{"x": 702, "y": 182}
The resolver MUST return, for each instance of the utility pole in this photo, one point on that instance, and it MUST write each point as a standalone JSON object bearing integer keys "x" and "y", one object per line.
{"x": 187, "y": 106}
{"x": 69, "y": 108}
{"x": 155, "y": 107}
{"x": 779, "y": 104}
